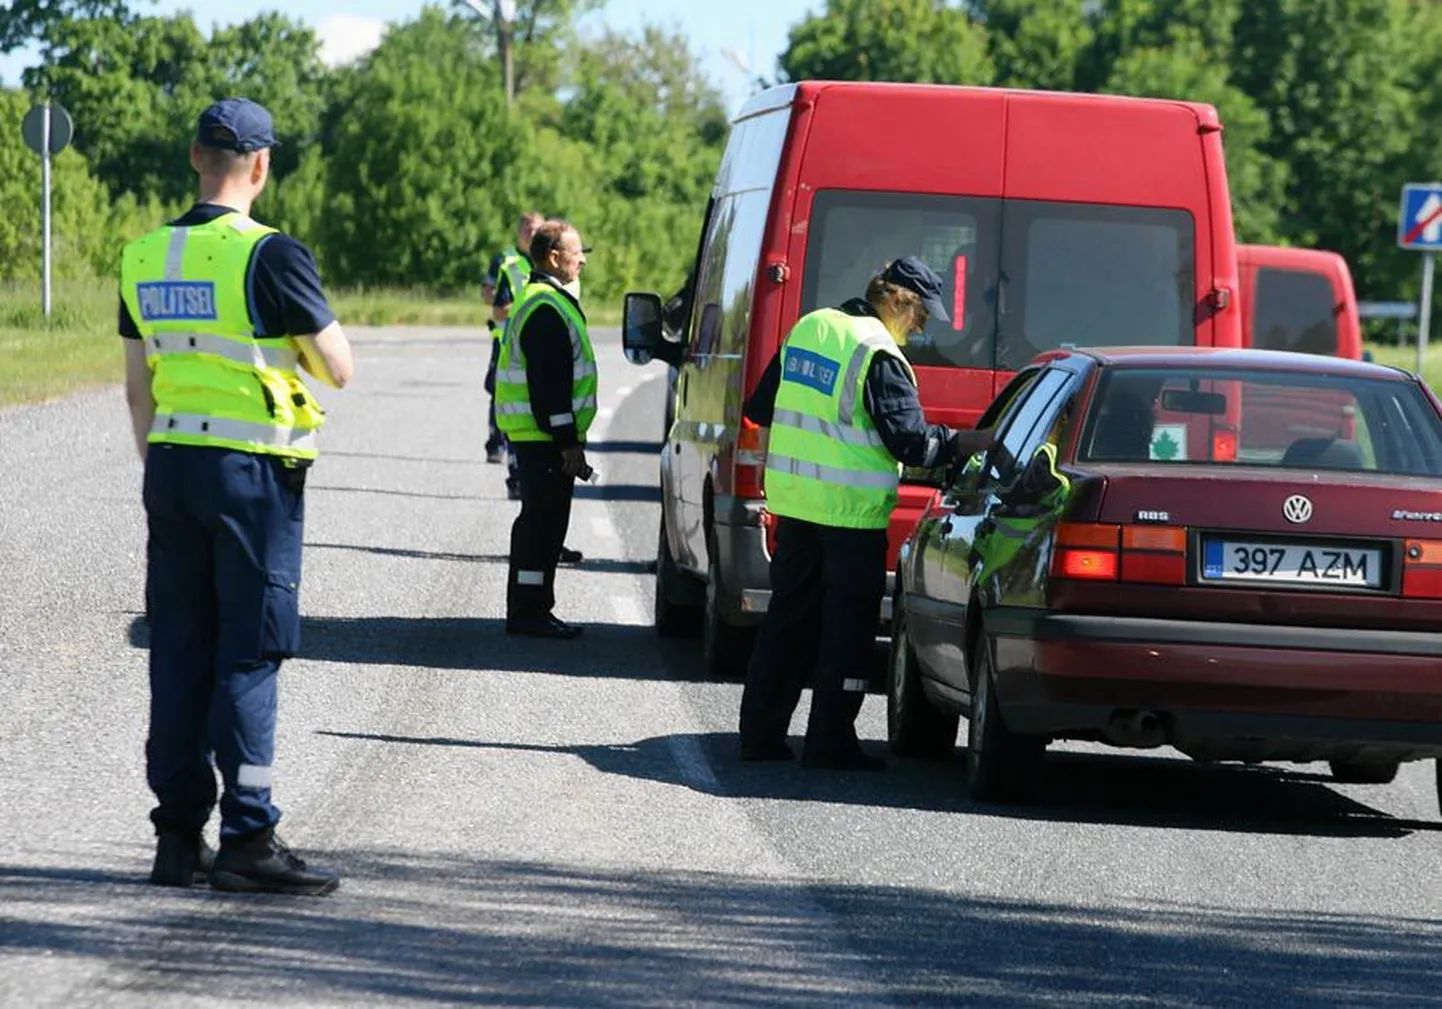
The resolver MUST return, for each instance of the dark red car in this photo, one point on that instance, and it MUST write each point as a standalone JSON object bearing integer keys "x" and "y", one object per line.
{"x": 1237, "y": 553}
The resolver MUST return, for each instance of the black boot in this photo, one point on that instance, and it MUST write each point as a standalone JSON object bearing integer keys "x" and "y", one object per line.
{"x": 261, "y": 863}
{"x": 181, "y": 859}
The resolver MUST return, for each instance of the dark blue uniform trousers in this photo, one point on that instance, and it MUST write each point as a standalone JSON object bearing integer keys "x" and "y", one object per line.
{"x": 826, "y": 590}
{"x": 222, "y": 592}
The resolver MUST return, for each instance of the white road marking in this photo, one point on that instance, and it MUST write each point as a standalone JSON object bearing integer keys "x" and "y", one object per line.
{"x": 629, "y": 611}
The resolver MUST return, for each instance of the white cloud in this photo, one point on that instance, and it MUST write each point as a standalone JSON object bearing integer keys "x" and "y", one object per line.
{"x": 347, "y": 37}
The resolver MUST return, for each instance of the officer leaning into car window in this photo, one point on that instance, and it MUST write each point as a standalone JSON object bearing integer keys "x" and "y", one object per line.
{"x": 843, "y": 414}
{"x": 218, "y": 312}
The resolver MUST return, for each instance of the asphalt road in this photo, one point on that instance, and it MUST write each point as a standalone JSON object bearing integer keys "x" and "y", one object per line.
{"x": 538, "y": 823}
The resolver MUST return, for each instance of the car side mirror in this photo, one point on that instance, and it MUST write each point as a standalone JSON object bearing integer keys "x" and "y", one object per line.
{"x": 642, "y": 337}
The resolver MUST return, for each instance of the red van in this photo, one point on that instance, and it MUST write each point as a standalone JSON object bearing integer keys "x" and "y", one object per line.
{"x": 1055, "y": 220}
{"x": 1298, "y": 299}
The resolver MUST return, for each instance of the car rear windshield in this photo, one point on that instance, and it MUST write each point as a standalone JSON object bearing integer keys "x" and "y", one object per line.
{"x": 1286, "y": 420}
{"x": 1294, "y": 310}
{"x": 1020, "y": 276}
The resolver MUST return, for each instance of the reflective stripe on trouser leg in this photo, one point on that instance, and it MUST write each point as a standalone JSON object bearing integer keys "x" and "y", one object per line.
{"x": 530, "y": 578}
{"x": 854, "y": 686}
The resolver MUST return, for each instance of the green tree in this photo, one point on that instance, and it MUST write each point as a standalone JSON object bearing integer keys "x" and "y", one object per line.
{"x": 1334, "y": 76}
{"x": 79, "y": 208}
{"x": 652, "y": 128}
{"x": 529, "y": 44}
{"x": 423, "y": 161}
{"x": 1182, "y": 70}
{"x": 135, "y": 86}
{"x": 1036, "y": 43}
{"x": 24, "y": 21}
{"x": 1121, "y": 26}
{"x": 889, "y": 40}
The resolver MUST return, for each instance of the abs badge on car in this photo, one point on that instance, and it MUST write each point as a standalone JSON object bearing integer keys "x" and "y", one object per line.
{"x": 1297, "y": 509}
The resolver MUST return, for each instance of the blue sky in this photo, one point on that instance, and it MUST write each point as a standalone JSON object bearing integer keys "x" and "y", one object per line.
{"x": 754, "y": 30}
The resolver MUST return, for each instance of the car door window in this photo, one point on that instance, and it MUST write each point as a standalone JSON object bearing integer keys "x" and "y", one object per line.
{"x": 1027, "y": 425}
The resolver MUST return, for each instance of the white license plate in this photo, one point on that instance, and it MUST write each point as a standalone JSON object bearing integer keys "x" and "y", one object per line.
{"x": 1290, "y": 564}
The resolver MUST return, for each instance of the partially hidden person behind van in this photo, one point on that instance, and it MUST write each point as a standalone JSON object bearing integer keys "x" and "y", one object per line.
{"x": 841, "y": 407}
{"x": 219, "y": 314}
{"x": 504, "y": 279}
{"x": 545, "y": 403}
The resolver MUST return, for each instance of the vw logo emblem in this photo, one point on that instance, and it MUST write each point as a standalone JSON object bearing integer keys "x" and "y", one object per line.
{"x": 1297, "y": 509}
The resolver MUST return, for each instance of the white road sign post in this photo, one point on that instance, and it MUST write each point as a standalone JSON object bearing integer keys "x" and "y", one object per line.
{"x": 1419, "y": 227}
{"x": 46, "y": 129}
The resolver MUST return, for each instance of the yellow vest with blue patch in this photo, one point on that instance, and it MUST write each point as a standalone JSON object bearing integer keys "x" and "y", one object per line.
{"x": 216, "y": 382}
{"x": 513, "y": 394}
{"x": 825, "y": 461}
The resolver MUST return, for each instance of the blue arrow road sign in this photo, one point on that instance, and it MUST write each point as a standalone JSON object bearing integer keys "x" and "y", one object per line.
{"x": 1420, "y": 226}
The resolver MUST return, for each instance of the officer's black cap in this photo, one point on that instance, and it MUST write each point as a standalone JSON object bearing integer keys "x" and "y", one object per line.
{"x": 914, "y": 275}
{"x": 236, "y": 124}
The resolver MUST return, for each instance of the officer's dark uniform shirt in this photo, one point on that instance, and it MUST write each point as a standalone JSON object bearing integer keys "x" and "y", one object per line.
{"x": 504, "y": 294}
{"x": 283, "y": 284}
{"x": 891, "y": 402}
{"x": 546, "y": 346}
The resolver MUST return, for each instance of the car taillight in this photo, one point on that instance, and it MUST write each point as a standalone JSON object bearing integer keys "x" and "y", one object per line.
{"x": 1096, "y": 551}
{"x": 1422, "y": 569}
{"x": 749, "y": 460}
{"x": 1155, "y": 554}
{"x": 1086, "y": 550}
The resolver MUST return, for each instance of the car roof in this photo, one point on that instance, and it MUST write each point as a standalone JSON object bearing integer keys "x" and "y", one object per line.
{"x": 1226, "y": 358}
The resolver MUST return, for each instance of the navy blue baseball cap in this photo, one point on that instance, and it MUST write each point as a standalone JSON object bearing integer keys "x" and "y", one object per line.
{"x": 236, "y": 124}
{"x": 914, "y": 275}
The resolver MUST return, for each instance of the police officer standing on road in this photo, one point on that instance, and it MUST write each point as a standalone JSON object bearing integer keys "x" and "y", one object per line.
{"x": 841, "y": 405}
{"x": 545, "y": 402}
{"x": 218, "y": 312}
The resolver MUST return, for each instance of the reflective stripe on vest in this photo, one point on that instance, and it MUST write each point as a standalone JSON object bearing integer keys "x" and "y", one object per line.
{"x": 247, "y": 352}
{"x": 216, "y": 383}
{"x": 196, "y": 426}
{"x": 513, "y": 395}
{"x": 826, "y": 462}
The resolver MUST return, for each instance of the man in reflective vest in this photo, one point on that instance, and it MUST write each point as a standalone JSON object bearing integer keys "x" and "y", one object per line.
{"x": 840, "y": 402}
{"x": 218, "y": 312}
{"x": 545, "y": 403}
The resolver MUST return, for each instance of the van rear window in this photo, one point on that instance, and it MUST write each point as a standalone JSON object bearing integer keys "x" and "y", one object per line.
{"x": 1294, "y": 310}
{"x": 1021, "y": 277}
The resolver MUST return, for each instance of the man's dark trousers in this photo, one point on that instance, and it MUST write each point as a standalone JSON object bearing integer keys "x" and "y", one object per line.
{"x": 539, "y": 531}
{"x": 495, "y": 441}
{"x": 826, "y": 590}
{"x": 223, "y": 585}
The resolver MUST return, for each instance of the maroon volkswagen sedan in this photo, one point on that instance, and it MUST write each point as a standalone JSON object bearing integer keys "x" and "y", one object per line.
{"x": 1236, "y": 553}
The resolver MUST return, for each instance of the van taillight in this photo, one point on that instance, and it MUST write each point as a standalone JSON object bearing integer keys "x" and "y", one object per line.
{"x": 749, "y": 460}
{"x": 1095, "y": 551}
{"x": 768, "y": 523}
{"x": 958, "y": 294}
{"x": 1224, "y": 446}
{"x": 1422, "y": 569}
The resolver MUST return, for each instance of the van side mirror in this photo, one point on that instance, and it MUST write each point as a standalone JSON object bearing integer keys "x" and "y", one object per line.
{"x": 1367, "y": 356}
{"x": 641, "y": 334}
